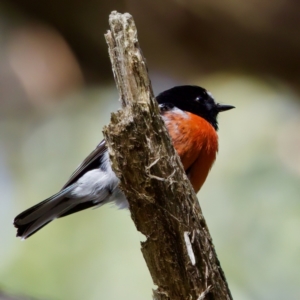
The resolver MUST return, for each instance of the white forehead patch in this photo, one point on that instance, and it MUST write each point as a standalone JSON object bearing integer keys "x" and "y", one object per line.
{"x": 210, "y": 95}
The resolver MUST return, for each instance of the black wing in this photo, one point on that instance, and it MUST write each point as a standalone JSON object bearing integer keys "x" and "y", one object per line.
{"x": 90, "y": 163}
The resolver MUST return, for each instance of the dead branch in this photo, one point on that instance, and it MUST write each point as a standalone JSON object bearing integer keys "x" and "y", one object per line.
{"x": 178, "y": 249}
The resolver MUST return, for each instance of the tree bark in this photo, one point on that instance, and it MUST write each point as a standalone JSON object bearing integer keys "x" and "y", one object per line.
{"x": 178, "y": 249}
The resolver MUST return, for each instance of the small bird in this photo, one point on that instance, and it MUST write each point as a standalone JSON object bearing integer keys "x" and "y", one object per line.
{"x": 190, "y": 114}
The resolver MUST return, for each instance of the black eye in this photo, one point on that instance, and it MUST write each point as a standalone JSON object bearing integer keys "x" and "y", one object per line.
{"x": 202, "y": 97}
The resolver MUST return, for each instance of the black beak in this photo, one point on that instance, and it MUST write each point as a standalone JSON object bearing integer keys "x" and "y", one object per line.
{"x": 224, "y": 107}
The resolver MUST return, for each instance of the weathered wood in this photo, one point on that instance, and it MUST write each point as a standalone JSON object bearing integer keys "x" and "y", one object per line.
{"x": 178, "y": 249}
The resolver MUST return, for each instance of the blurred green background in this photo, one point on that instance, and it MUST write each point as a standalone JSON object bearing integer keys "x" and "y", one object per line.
{"x": 57, "y": 92}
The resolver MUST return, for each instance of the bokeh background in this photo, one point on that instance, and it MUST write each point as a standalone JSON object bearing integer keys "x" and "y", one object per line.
{"x": 57, "y": 92}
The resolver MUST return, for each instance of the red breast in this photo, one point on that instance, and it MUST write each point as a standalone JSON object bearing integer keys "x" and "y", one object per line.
{"x": 196, "y": 142}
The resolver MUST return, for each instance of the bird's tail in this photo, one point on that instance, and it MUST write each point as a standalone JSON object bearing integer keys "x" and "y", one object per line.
{"x": 39, "y": 215}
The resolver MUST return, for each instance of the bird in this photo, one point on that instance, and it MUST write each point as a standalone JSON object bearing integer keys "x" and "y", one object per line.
{"x": 190, "y": 115}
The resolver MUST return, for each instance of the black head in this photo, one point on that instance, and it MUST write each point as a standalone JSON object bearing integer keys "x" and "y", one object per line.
{"x": 193, "y": 99}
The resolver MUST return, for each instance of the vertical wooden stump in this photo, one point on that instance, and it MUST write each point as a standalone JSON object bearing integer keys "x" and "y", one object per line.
{"x": 178, "y": 249}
